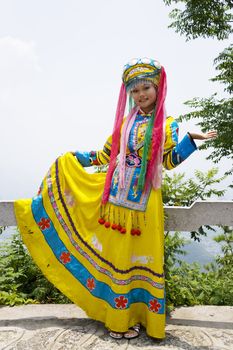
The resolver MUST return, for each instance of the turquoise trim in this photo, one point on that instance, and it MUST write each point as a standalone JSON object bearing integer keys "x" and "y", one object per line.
{"x": 175, "y": 131}
{"x": 83, "y": 158}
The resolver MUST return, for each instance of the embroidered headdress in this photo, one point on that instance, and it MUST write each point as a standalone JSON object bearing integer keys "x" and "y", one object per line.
{"x": 139, "y": 70}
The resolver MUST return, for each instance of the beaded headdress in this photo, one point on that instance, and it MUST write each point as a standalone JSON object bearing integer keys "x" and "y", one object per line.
{"x": 139, "y": 70}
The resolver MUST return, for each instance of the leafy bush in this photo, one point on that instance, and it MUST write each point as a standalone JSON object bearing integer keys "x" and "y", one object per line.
{"x": 187, "y": 284}
{"x": 21, "y": 281}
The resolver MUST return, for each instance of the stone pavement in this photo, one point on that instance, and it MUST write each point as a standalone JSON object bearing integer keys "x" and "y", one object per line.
{"x": 66, "y": 327}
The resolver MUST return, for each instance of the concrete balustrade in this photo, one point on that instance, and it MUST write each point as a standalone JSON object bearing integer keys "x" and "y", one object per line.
{"x": 200, "y": 213}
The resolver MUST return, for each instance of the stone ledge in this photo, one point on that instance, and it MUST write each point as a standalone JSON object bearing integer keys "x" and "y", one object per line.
{"x": 64, "y": 327}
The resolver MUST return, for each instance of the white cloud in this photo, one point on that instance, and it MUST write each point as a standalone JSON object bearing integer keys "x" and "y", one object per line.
{"x": 18, "y": 61}
{"x": 19, "y": 66}
{"x": 15, "y": 50}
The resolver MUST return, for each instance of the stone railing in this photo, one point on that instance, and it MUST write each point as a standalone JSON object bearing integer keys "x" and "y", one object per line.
{"x": 200, "y": 213}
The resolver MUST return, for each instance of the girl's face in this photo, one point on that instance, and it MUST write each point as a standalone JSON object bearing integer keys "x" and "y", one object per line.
{"x": 144, "y": 95}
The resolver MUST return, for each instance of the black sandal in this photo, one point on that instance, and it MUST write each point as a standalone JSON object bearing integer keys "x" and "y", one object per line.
{"x": 133, "y": 332}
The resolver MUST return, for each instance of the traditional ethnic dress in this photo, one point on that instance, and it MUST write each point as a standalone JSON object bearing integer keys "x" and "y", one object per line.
{"x": 107, "y": 259}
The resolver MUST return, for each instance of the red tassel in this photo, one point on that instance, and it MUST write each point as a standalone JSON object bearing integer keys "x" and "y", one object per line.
{"x": 101, "y": 221}
{"x": 123, "y": 230}
{"x": 133, "y": 232}
{"x": 137, "y": 232}
{"x": 107, "y": 224}
{"x": 119, "y": 227}
{"x": 114, "y": 226}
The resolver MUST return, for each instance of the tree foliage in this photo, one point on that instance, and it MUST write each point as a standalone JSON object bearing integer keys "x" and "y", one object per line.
{"x": 214, "y": 114}
{"x": 210, "y": 18}
{"x": 178, "y": 191}
{"x": 195, "y": 18}
{"x": 226, "y": 238}
{"x": 224, "y": 66}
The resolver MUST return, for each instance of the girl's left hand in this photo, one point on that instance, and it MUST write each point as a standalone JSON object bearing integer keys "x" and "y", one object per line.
{"x": 204, "y": 136}
{"x": 209, "y": 135}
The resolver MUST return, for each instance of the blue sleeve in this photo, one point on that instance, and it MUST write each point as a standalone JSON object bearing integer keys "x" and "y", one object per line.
{"x": 176, "y": 152}
{"x": 183, "y": 150}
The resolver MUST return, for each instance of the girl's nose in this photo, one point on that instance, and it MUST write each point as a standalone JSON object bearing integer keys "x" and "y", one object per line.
{"x": 141, "y": 93}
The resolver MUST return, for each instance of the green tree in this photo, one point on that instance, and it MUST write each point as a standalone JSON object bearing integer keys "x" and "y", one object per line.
{"x": 217, "y": 114}
{"x": 226, "y": 238}
{"x": 178, "y": 191}
{"x": 210, "y": 19}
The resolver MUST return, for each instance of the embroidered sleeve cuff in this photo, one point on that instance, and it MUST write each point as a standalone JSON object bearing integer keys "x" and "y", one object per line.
{"x": 185, "y": 147}
{"x": 83, "y": 158}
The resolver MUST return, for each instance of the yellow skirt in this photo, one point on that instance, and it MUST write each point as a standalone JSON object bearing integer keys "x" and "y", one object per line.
{"x": 116, "y": 278}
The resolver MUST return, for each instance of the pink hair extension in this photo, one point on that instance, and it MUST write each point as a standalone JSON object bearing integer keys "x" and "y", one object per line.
{"x": 155, "y": 163}
{"x": 115, "y": 141}
{"x": 124, "y": 139}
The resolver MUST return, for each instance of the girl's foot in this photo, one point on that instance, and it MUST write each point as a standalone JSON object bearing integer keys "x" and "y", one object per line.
{"x": 116, "y": 335}
{"x": 133, "y": 332}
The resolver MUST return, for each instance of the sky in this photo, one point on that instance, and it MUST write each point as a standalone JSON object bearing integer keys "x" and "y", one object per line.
{"x": 60, "y": 74}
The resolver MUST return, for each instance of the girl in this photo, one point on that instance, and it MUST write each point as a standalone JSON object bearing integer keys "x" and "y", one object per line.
{"x": 99, "y": 237}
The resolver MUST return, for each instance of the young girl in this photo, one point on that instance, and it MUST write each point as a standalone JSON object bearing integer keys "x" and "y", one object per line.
{"x": 99, "y": 237}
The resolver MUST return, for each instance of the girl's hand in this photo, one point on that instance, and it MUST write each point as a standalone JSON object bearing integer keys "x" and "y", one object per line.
{"x": 204, "y": 136}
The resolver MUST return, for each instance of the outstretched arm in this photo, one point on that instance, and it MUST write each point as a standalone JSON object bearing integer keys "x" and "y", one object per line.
{"x": 176, "y": 152}
{"x": 203, "y": 136}
{"x": 101, "y": 157}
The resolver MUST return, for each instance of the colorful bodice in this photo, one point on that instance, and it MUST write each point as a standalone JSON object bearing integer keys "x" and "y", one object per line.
{"x": 174, "y": 153}
{"x": 137, "y": 134}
